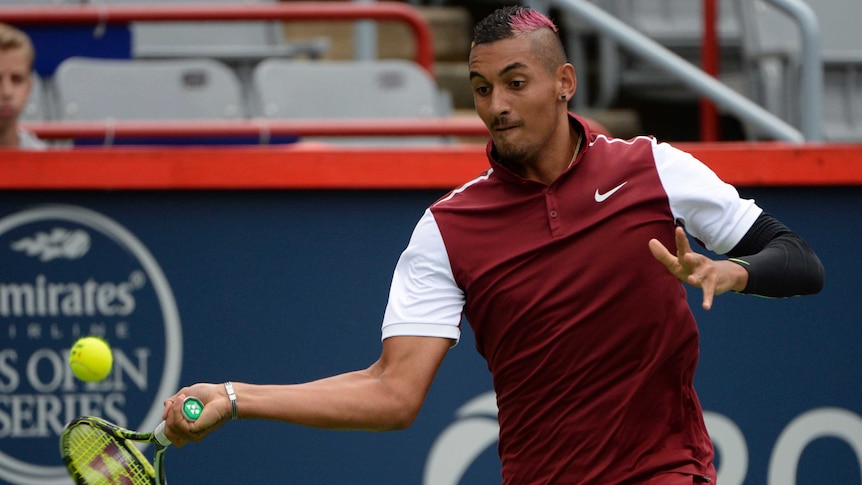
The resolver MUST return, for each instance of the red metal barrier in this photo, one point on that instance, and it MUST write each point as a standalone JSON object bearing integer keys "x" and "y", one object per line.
{"x": 265, "y": 129}
{"x": 105, "y": 14}
{"x": 262, "y": 129}
{"x": 312, "y": 166}
{"x": 710, "y": 54}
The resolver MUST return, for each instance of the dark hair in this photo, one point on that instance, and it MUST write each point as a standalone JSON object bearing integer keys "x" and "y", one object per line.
{"x": 515, "y": 21}
{"x": 507, "y": 22}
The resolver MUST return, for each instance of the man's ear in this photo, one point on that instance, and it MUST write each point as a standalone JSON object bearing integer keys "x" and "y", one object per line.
{"x": 568, "y": 81}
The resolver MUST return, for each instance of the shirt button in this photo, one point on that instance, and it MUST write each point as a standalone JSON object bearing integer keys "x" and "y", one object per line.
{"x": 553, "y": 213}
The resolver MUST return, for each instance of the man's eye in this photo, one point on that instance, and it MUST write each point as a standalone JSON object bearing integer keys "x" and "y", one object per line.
{"x": 518, "y": 84}
{"x": 482, "y": 90}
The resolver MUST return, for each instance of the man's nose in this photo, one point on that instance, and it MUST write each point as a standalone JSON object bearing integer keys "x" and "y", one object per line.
{"x": 499, "y": 104}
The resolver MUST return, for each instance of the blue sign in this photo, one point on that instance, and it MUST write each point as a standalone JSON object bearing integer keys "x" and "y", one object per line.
{"x": 290, "y": 286}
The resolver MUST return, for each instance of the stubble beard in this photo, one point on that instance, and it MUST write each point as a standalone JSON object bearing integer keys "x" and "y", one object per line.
{"x": 513, "y": 154}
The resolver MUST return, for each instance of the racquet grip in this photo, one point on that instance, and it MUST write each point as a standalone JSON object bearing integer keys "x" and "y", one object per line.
{"x": 192, "y": 409}
{"x": 160, "y": 436}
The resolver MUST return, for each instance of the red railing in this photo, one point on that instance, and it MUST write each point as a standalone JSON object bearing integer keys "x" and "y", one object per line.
{"x": 117, "y": 14}
{"x": 262, "y": 129}
{"x": 266, "y": 130}
{"x": 710, "y": 54}
{"x": 315, "y": 166}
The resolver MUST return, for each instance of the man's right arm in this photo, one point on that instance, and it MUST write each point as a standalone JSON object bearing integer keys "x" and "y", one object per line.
{"x": 386, "y": 396}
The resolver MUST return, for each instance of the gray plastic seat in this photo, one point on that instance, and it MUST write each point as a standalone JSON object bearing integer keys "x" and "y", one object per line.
{"x": 36, "y": 108}
{"x": 97, "y": 89}
{"x": 842, "y": 64}
{"x": 289, "y": 89}
{"x": 842, "y": 101}
{"x": 772, "y": 46}
{"x": 676, "y": 25}
{"x": 345, "y": 89}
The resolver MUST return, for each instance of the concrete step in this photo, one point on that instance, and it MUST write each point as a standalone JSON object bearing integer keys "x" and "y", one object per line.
{"x": 450, "y": 27}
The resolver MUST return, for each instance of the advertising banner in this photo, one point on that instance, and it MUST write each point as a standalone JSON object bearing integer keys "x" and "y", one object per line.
{"x": 290, "y": 286}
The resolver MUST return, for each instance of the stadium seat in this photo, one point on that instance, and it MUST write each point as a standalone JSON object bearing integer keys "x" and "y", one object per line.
{"x": 36, "y": 109}
{"x": 347, "y": 89}
{"x": 240, "y": 42}
{"x": 99, "y": 89}
{"x": 772, "y": 45}
{"x": 842, "y": 63}
{"x": 676, "y": 25}
{"x": 842, "y": 100}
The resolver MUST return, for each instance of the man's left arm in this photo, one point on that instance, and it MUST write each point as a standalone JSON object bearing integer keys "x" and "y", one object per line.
{"x": 778, "y": 261}
{"x": 770, "y": 260}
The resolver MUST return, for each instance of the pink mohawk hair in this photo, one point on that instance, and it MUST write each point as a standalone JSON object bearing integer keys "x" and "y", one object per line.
{"x": 511, "y": 21}
{"x": 525, "y": 21}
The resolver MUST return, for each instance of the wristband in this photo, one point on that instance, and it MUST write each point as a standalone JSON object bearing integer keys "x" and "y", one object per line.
{"x": 232, "y": 396}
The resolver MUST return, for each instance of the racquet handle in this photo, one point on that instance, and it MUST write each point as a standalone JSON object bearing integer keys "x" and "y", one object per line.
{"x": 192, "y": 409}
{"x": 159, "y": 433}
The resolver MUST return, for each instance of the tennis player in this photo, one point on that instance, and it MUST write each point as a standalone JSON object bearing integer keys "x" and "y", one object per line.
{"x": 568, "y": 258}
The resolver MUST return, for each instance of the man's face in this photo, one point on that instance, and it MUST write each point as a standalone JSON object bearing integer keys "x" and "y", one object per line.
{"x": 515, "y": 96}
{"x": 15, "y": 83}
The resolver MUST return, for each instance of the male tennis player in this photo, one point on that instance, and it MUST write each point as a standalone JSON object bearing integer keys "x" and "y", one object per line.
{"x": 557, "y": 256}
{"x": 16, "y": 82}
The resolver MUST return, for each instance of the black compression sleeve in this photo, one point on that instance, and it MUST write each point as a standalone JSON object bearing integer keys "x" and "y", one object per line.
{"x": 778, "y": 261}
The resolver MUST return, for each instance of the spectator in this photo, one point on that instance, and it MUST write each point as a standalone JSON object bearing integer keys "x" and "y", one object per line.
{"x": 16, "y": 63}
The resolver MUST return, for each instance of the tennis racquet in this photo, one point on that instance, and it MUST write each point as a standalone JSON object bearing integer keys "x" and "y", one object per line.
{"x": 98, "y": 452}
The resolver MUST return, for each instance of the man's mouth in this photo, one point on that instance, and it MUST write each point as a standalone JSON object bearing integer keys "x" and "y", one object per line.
{"x": 504, "y": 124}
{"x": 501, "y": 128}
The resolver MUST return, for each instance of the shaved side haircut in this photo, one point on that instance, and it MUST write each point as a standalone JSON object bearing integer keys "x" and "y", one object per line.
{"x": 516, "y": 21}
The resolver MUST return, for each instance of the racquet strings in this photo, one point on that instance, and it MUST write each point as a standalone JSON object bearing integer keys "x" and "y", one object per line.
{"x": 94, "y": 456}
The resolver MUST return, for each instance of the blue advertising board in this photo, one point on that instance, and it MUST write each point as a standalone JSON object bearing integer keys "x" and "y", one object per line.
{"x": 290, "y": 286}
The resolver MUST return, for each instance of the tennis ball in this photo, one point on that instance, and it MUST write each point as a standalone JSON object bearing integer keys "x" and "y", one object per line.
{"x": 91, "y": 359}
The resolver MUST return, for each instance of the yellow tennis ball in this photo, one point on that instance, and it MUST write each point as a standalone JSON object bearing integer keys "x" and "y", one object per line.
{"x": 91, "y": 359}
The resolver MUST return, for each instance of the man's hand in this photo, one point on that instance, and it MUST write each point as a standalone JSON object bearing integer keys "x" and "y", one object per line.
{"x": 713, "y": 277}
{"x": 216, "y": 412}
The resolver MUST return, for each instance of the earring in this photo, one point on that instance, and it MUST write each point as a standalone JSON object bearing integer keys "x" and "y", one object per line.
{"x": 563, "y": 97}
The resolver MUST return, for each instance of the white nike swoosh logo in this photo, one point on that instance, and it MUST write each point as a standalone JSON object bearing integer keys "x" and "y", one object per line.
{"x": 603, "y": 197}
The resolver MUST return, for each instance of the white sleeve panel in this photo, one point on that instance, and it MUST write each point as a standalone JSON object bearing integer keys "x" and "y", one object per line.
{"x": 711, "y": 209}
{"x": 424, "y": 299}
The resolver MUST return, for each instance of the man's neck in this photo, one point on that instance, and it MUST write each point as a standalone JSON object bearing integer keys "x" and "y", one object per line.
{"x": 558, "y": 162}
